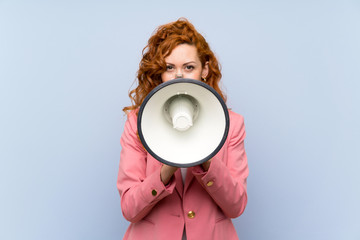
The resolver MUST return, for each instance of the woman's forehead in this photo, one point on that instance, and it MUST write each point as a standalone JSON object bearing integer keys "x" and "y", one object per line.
{"x": 183, "y": 53}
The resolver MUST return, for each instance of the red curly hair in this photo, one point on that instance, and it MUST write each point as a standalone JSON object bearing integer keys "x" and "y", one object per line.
{"x": 160, "y": 45}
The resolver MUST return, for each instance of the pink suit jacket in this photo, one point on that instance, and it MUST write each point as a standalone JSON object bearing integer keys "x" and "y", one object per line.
{"x": 205, "y": 203}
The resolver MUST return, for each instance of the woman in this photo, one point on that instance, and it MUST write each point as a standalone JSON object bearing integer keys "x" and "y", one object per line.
{"x": 164, "y": 202}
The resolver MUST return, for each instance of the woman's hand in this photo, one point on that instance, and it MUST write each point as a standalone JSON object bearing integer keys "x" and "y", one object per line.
{"x": 206, "y": 165}
{"x": 166, "y": 173}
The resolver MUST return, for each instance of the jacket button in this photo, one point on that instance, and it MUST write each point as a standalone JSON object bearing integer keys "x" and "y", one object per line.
{"x": 154, "y": 192}
{"x": 191, "y": 214}
{"x": 209, "y": 183}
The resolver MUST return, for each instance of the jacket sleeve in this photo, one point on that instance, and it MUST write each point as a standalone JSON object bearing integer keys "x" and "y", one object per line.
{"x": 139, "y": 190}
{"x": 225, "y": 180}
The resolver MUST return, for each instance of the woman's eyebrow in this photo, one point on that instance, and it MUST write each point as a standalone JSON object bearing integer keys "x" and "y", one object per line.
{"x": 191, "y": 62}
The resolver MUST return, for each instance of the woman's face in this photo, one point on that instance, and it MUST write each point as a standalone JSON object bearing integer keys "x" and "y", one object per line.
{"x": 184, "y": 62}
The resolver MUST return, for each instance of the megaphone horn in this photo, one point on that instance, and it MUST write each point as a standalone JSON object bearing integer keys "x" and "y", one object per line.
{"x": 183, "y": 122}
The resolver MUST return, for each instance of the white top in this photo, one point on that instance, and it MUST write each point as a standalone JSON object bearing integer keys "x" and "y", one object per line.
{"x": 183, "y": 173}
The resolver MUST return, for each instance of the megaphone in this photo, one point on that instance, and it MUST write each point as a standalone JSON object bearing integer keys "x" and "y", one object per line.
{"x": 183, "y": 122}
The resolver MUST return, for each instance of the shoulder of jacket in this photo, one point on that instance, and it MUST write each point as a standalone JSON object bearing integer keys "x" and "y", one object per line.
{"x": 237, "y": 125}
{"x": 132, "y": 120}
{"x": 132, "y": 115}
{"x": 235, "y": 116}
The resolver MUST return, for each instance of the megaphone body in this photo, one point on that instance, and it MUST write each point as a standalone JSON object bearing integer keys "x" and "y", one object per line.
{"x": 183, "y": 122}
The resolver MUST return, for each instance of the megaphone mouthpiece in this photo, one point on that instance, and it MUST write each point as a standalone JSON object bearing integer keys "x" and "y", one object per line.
{"x": 181, "y": 110}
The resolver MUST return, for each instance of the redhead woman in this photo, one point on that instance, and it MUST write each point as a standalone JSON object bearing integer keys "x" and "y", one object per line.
{"x": 166, "y": 202}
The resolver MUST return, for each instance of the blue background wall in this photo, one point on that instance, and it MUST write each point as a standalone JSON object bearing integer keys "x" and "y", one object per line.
{"x": 291, "y": 68}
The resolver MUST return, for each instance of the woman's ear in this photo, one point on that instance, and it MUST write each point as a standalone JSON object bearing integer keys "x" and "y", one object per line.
{"x": 205, "y": 70}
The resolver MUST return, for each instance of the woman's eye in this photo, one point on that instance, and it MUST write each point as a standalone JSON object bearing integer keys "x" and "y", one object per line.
{"x": 169, "y": 67}
{"x": 190, "y": 67}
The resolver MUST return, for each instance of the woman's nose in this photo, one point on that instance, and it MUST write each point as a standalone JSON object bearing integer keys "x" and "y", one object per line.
{"x": 179, "y": 74}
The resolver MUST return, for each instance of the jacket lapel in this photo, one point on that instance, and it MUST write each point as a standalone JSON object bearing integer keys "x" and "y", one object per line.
{"x": 188, "y": 179}
{"x": 180, "y": 186}
{"x": 179, "y": 183}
